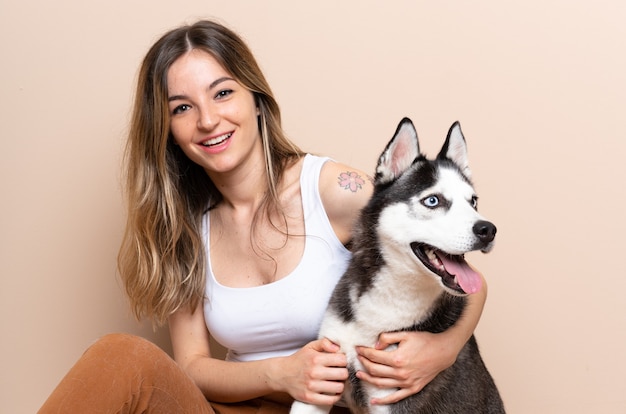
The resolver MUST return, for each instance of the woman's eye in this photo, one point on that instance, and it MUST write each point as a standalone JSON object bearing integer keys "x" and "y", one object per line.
{"x": 223, "y": 94}
{"x": 180, "y": 109}
{"x": 431, "y": 201}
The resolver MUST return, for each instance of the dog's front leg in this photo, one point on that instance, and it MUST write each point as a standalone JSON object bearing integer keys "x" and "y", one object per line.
{"x": 303, "y": 408}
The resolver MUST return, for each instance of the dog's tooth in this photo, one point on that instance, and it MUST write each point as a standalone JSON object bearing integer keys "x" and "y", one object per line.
{"x": 431, "y": 254}
{"x": 434, "y": 259}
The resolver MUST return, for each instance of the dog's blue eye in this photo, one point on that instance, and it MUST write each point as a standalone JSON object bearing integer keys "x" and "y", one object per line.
{"x": 431, "y": 201}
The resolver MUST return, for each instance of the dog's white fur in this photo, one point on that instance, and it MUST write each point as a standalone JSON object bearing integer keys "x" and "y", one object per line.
{"x": 404, "y": 277}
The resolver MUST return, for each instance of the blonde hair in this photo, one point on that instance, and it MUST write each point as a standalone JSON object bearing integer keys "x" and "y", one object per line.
{"x": 162, "y": 260}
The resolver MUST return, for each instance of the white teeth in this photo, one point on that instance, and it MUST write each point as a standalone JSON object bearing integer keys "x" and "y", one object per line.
{"x": 434, "y": 260}
{"x": 430, "y": 254}
{"x": 217, "y": 140}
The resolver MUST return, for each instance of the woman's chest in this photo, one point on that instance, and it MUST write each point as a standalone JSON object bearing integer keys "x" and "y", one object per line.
{"x": 256, "y": 252}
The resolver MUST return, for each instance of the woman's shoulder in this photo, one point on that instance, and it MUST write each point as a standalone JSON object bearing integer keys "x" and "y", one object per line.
{"x": 344, "y": 191}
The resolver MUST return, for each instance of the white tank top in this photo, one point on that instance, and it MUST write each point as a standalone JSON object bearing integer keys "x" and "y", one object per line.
{"x": 279, "y": 318}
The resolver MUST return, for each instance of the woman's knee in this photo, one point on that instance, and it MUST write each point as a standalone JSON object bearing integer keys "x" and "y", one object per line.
{"x": 125, "y": 349}
{"x": 123, "y": 340}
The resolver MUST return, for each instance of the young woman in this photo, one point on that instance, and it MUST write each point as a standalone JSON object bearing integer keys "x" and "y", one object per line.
{"x": 234, "y": 232}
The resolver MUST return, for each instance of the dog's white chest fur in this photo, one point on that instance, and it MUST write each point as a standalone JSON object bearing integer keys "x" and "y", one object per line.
{"x": 390, "y": 304}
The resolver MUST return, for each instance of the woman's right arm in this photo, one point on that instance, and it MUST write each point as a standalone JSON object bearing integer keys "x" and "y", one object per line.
{"x": 314, "y": 374}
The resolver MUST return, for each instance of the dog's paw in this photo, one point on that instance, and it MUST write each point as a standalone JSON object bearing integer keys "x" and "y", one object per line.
{"x": 302, "y": 408}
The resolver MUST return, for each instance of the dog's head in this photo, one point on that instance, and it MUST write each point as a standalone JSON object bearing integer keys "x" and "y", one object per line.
{"x": 428, "y": 208}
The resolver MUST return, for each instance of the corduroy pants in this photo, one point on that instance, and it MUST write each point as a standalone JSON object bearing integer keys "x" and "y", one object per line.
{"x": 127, "y": 374}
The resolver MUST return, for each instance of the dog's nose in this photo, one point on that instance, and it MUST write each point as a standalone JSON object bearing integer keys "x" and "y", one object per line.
{"x": 485, "y": 231}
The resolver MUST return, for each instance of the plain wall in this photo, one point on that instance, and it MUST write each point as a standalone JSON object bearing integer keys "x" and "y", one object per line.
{"x": 538, "y": 86}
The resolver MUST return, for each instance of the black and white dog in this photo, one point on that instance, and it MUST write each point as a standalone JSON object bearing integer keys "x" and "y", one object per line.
{"x": 408, "y": 273}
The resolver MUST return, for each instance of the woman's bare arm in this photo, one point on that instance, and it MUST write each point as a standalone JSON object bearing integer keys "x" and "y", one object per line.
{"x": 313, "y": 374}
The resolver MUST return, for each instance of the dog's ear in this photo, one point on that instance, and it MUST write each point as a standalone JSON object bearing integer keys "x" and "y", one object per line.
{"x": 399, "y": 154}
{"x": 455, "y": 149}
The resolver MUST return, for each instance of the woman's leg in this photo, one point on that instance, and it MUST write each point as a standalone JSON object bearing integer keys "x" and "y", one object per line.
{"x": 126, "y": 374}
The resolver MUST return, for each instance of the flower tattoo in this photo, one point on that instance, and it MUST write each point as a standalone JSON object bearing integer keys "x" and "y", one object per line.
{"x": 351, "y": 181}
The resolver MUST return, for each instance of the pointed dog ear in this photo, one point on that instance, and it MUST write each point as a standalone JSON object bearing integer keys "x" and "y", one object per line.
{"x": 455, "y": 149}
{"x": 399, "y": 154}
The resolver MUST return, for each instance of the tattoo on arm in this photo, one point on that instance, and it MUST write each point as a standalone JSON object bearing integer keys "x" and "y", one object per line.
{"x": 350, "y": 180}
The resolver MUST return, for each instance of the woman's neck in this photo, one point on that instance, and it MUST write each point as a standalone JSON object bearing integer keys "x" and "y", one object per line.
{"x": 244, "y": 187}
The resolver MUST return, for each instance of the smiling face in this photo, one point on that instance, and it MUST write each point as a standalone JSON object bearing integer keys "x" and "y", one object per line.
{"x": 213, "y": 118}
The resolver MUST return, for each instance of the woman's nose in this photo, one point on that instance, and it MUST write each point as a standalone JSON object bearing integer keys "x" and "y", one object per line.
{"x": 207, "y": 119}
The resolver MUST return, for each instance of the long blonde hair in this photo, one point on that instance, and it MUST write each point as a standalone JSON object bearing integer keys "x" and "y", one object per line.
{"x": 161, "y": 260}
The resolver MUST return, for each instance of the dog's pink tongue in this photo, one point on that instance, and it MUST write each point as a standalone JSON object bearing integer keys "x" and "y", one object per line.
{"x": 468, "y": 279}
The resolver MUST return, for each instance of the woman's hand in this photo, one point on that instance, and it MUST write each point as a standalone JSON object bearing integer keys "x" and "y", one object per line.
{"x": 316, "y": 373}
{"x": 417, "y": 360}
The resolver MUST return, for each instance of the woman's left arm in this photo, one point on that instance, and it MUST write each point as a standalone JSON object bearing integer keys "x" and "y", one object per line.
{"x": 420, "y": 356}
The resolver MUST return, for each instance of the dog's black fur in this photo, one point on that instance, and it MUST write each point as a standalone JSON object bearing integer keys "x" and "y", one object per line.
{"x": 465, "y": 387}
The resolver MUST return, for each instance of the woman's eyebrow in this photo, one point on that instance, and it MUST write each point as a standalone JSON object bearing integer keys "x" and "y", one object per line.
{"x": 220, "y": 80}
{"x": 211, "y": 86}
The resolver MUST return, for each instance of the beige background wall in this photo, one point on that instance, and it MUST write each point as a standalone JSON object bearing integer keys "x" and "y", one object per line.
{"x": 539, "y": 89}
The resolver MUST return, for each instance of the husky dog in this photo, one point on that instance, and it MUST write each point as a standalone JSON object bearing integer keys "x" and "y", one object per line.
{"x": 408, "y": 273}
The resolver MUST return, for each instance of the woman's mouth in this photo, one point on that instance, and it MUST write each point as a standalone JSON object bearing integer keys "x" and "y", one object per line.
{"x": 216, "y": 140}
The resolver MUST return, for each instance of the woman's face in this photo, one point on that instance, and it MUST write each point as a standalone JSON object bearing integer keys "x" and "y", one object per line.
{"x": 212, "y": 117}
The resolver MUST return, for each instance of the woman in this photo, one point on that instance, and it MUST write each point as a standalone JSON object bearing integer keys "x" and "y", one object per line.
{"x": 234, "y": 232}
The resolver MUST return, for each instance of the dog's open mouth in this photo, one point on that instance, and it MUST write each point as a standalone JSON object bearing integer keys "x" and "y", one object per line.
{"x": 454, "y": 271}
